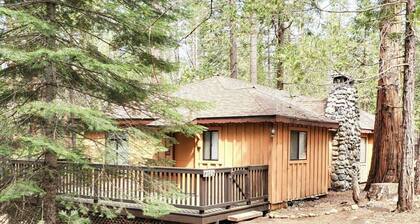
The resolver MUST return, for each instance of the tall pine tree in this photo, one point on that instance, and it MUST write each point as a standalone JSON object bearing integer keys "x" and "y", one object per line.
{"x": 52, "y": 51}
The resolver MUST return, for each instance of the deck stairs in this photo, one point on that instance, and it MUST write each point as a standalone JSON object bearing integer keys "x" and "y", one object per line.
{"x": 245, "y": 216}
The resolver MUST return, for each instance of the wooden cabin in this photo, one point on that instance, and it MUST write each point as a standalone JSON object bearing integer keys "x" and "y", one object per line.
{"x": 252, "y": 125}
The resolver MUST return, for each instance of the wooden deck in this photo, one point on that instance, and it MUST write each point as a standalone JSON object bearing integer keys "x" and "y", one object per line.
{"x": 201, "y": 195}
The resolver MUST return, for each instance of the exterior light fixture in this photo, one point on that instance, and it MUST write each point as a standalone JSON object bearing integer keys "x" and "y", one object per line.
{"x": 273, "y": 132}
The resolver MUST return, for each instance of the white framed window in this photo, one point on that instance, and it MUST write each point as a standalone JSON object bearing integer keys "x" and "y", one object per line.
{"x": 117, "y": 150}
{"x": 298, "y": 145}
{"x": 211, "y": 145}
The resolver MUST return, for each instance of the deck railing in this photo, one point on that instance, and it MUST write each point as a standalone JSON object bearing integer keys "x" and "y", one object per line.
{"x": 199, "y": 189}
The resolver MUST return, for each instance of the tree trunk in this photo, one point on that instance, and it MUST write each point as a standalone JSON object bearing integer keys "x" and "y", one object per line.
{"x": 280, "y": 35}
{"x": 49, "y": 178}
{"x": 406, "y": 184}
{"x": 387, "y": 138}
{"x": 254, "y": 49}
{"x": 233, "y": 52}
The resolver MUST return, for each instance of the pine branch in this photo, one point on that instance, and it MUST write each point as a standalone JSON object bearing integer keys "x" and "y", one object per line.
{"x": 200, "y": 24}
{"x": 370, "y": 8}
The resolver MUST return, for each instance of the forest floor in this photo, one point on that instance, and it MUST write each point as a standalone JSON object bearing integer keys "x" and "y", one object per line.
{"x": 337, "y": 207}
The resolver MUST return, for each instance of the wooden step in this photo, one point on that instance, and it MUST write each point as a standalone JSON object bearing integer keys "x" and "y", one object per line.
{"x": 245, "y": 216}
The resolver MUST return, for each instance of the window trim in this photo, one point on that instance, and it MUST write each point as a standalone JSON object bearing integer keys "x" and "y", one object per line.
{"x": 203, "y": 145}
{"x": 290, "y": 145}
{"x": 118, "y": 138}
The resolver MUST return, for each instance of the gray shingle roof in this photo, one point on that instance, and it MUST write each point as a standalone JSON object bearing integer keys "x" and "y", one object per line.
{"x": 367, "y": 120}
{"x": 229, "y": 97}
{"x": 226, "y": 98}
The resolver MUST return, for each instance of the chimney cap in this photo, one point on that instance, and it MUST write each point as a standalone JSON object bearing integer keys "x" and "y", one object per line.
{"x": 341, "y": 78}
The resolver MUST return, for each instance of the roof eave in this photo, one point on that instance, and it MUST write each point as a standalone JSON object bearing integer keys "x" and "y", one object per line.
{"x": 265, "y": 118}
{"x": 236, "y": 119}
{"x": 310, "y": 122}
{"x": 132, "y": 122}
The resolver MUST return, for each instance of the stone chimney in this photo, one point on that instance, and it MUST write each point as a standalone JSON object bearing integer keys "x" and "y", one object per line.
{"x": 342, "y": 107}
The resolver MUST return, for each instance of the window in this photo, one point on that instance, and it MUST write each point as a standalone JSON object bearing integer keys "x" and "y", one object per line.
{"x": 363, "y": 145}
{"x": 169, "y": 143}
{"x": 298, "y": 144}
{"x": 117, "y": 149}
{"x": 210, "y": 145}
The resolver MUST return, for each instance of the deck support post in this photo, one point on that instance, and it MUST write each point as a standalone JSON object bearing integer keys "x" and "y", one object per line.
{"x": 247, "y": 186}
{"x": 228, "y": 188}
{"x": 265, "y": 183}
{"x": 203, "y": 192}
{"x": 95, "y": 180}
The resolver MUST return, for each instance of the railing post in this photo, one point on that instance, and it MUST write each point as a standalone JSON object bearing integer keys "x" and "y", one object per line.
{"x": 141, "y": 182}
{"x": 265, "y": 192}
{"x": 227, "y": 188}
{"x": 95, "y": 186}
{"x": 203, "y": 192}
{"x": 247, "y": 186}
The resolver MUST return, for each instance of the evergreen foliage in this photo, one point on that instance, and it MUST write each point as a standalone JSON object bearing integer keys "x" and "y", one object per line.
{"x": 325, "y": 37}
{"x": 67, "y": 65}
{"x": 19, "y": 189}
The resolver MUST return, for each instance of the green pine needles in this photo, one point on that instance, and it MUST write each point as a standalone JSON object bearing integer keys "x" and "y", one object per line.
{"x": 66, "y": 65}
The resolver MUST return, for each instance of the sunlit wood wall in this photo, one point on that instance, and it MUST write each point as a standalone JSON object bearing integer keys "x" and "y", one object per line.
{"x": 291, "y": 180}
{"x": 268, "y": 144}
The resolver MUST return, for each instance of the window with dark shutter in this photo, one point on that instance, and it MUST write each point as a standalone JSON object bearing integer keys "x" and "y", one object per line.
{"x": 210, "y": 145}
{"x": 298, "y": 145}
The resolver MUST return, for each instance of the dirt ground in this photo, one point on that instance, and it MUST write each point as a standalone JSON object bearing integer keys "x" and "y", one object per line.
{"x": 336, "y": 208}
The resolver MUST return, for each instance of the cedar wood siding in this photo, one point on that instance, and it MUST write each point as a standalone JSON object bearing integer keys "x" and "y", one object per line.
{"x": 290, "y": 180}
{"x": 239, "y": 145}
{"x": 184, "y": 151}
{"x": 252, "y": 144}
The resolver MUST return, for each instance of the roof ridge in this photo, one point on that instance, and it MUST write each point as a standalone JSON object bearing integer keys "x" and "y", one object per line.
{"x": 294, "y": 105}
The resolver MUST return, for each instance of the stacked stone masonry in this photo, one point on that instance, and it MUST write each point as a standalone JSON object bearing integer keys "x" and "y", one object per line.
{"x": 342, "y": 107}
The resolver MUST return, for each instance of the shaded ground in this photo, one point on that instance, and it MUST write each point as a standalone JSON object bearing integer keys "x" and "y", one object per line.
{"x": 336, "y": 207}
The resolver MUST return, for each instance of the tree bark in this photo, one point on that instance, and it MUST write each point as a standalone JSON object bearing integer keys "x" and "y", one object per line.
{"x": 253, "y": 49}
{"x": 49, "y": 178}
{"x": 406, "y": 183}
{"x": 387, "y": 138}
{"x": 233, "y": 51}
{"x": 280, "y": 35}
